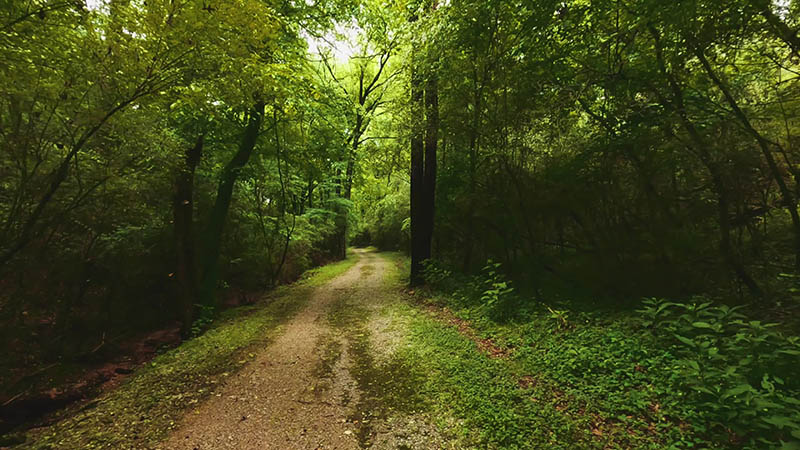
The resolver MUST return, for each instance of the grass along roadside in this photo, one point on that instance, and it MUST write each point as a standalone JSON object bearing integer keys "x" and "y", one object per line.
{"x": 147, "y": 406}
{"x": 476, "y": 401}
{"x": 508, "y": 401}
{"x": 518, "y": 397}
{"x": 528, "y": 374}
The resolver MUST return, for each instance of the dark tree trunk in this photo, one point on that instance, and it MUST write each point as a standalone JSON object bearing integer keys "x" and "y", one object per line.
{"x": 310, "y": 191}
{"x": 417, "y": 181}
{"x": 431, "y": 146}
{"x": 183, "y": 207}
{"x": 423, "y": 171}
{"x": 284, "y": 252}
{"x": 338, "y": 246}
{"x": 351, "y": 160}
{"x": 473, "y": 165}
{"x": 347, "y": 191}
{"x": 212, "y": 237}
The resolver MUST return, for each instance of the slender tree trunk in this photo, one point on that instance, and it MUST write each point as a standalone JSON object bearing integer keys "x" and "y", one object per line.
{"x": 282, "y": 180}
{"x": 341, "y": 237}
{"x": 473, "y": 167}
{"x": 338, "y": 244}
{"x": 310, "y": 190}
{"x": 424, "y": 142}
{"x": 431, "y": 146}
{"x": 351, "y": 161}
{"x": 212, "y": 237}
{"x": 183, "y": 207}
{"x": 285, "y": 251}
{"x": 423, "y": 172}
{"x": 417, "y": 180}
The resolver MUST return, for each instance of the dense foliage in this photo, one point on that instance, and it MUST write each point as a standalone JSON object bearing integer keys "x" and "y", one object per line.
{"x": 153, "y": 153}
{"x": 164, "y": 159}
{"x": 654, "y": 154}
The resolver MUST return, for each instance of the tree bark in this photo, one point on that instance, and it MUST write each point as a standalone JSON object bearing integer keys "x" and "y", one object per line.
{"x": 431, "y": 147}
{"x": 423, "y": 171}
{"x": 183, "y": 207}
{"x": 417, "y": 180}
{"x": 473, "y": 167}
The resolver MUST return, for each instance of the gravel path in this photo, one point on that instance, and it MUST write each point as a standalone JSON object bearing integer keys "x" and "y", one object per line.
{"x": 298, "y": 392}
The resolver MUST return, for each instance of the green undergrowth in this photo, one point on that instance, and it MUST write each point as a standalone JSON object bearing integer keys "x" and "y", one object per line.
{"x": 667, "y": 376}
{"x": 554, "y": 389}
{"x": 142, "y": 410}
{"x": 491, "y": 407}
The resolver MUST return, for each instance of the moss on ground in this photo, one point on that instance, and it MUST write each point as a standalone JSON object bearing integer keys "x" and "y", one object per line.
{"x": 329, "y": 351}
{"x": 149, "y": 404}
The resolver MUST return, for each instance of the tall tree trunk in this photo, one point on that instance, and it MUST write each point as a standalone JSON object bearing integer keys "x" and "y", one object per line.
{"x": 417, "y": 180}
{"x": 473, "y": 167}
{"x": 431, "y": 146}
{"x": 212, "y": 237}
{"x": 183, "y": 207}
{"x": 424, "y": 142}
{"x": 423, "y": 171}
{"x": 351, "y": 160}
{"x": 339, "y": 245}
{"x": 310, "y": 190}
{"x": 341, "y": 237}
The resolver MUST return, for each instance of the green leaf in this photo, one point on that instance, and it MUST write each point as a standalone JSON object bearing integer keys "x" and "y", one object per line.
{"x": 780, "y": 421}
{"x": 685, "y": 340}
{"x": 693, "y": 364}
{"x": 702, "y": 389}
{"x": 738, "y": 390}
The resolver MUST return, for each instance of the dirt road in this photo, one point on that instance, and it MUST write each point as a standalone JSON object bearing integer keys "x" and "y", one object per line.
{"x": 323, "y": 383}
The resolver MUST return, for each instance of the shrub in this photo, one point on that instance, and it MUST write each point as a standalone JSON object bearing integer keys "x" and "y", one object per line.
{"x": 738, "y": 372}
